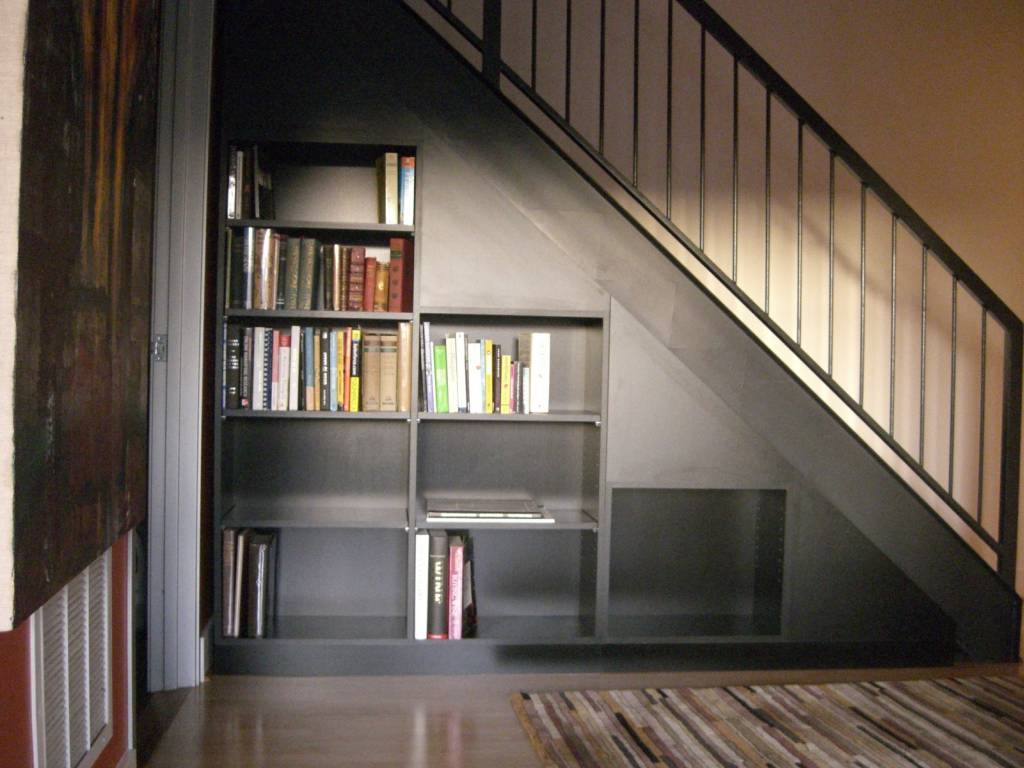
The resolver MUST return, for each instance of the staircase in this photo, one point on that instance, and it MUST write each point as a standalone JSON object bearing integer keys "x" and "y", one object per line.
{"x": 753, "y": 195}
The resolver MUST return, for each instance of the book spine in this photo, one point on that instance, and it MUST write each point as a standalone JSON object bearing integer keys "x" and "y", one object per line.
{"x": 268, "y": 368}
{"x": 307, "y": 268}
{"x": 284, "y": 386}
{"x": 540, "y": 373}
{"x": 346, "y": 253}
{"x": 336, "y": 278}
{"x": 356, "y": 277}
{"x": 308, "y": 369}
{"x": 281, "y": 271}
{"x": 346, "y": 357}
{"x": 437, "y": 594}
{"x": 426, "y": 359}
{"x": 498, "y": 376}
{"x": 232, "y": 203}
{"x": 488, "y": 376}
{"x": 356, "y": 368}
{"x": 257, "y": 369}
{"x": 245, "y": 377}
{"x": 396, "y": 301}
{"x": 275, "y": 369}
{"x": 405, "y": 367}
{"x": 327, "y": 269}
{"x": 264, "y": 275}
{"x": 455, "y": 589}
{"x": 389, "y": 371}
{"x": 451, "y": 363}
{"x": 474, "y": 361}
{"x": 441, "y": 378}
{"x": 238, "y": 593}
{"x": 227, "y": 581}
{"x": 332, "y": 344}
{"x": 387, "y": 185}
{"x": 526, "y": 390}
{"x": 422, "y": 579}
{"x": 248, "y": 265}
{"x": 370, "y": 372}
{"x": 233, "y": 367}
{"x": 293, "y": 373}
{"x": 324, "y": 369}
{"x": 461, "y": 372}
{"x": 369, "y": 283}
{"x": 407, "y": 190}
{"x": 506, "y": 382}
{"x": 248, "y": 178}
{"x": 293, "y": 259}
{"x": 380, "y": 290}
{"x": 236, "y": 272}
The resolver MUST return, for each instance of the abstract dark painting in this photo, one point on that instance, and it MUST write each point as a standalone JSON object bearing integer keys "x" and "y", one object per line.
{"x": 83, "y": 312}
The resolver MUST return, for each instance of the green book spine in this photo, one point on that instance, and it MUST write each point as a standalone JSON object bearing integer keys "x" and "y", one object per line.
{"x": 307, "y": 272}
{"x": 292, "y": 260}
{"x": 441, "y": 378}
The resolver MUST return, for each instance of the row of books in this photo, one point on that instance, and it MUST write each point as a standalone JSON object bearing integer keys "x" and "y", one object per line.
{"x": 250, "y": 193}
{"x": 272, "y": 270}
{"x": 445, "y": 598}
{"x": 464, "y": 376}
{"x": 317, "y": 369}
{"x": 248, "y": 582}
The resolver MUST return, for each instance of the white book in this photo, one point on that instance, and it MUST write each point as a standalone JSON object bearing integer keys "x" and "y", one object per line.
{"x": 249, "y": 256}
{"x": 540, "y": 373}
{"x": 284, "y": 370}
{"x": 422, "y": 577}
{"x": 431, "y": 389}
{"x": 451, "y": 375}
{"x": 293, "y": 373}
{"x": 476, "y": 392}
{"x": 461, "y": 371}
{"x": 257, "y": 369}
{"x": 427, "y": 366}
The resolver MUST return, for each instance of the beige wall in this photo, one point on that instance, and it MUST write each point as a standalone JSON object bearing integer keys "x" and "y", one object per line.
{"x": 931, "y": 93}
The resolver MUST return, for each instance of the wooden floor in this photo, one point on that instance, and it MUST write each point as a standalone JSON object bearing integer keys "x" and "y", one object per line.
{"x": 442, "y": 722}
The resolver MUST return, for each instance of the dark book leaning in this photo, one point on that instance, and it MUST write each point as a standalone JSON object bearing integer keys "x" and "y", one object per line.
{"x": 258, "y": 570}
{"x": 245, "y": 375}
{"x": 232, "y": 367}
{"x": 268, "y": 367}
{"x": 281, "y": 283}
{"x": 237, "y": 275}
{"x": 437, "y": 587}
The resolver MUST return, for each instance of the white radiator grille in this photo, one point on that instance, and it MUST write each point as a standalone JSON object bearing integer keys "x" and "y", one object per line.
{"x": 72, "y": 664}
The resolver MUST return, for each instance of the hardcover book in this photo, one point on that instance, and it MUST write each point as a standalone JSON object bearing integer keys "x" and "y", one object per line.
{"x": 387, "y": 188}
{"x": 307, "y": 272}
{"x": 421, "y": 578}
{"x": 441, "y": 379}
{"x": 456, "y": 546}
{"x": 388, "y": 371}
{"x": 437, "y": 587}
{"x": 405, "y": 364}
{"x": 371, "y": 371}
{"x": 407, "y": 190}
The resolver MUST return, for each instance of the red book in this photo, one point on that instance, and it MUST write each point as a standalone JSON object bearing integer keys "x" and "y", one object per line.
{"x": 356, "y": 277}
{"x": 396, "y": 277}
{"x": 369, "y": 283}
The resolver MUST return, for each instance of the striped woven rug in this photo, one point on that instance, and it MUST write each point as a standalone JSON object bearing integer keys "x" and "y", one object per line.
{"x": 970, "y": 722}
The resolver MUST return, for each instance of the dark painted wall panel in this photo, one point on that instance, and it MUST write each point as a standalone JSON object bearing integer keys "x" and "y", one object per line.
{"x": 85, "y": 229}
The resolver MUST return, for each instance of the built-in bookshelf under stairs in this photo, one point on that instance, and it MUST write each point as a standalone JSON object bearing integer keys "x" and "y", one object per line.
{"x": 746, "y": 423}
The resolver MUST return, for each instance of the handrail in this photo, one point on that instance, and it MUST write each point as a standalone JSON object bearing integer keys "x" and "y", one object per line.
{"x": 494, "y": 68}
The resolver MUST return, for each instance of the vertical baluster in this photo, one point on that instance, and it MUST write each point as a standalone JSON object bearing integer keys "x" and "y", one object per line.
{"x": 831, "y": 253}
{"x": 952, "y": 392}
{"x": 600, "y": 96}
{"x": 568, "y": 58}
{"x": 924, "y": 346}
{"x": 735, "y": 166}
{"x": 799, "y": 231}
{"x": 767, "y": 199}
{"x": 668, "y": 118}
{"x": 863, "y": 284}
{"x": 703, "y": 130}
{"x": 892, "y": 334}
{"x": 981, "y": 414}
{"x": 533, "y": 48}
{"x": 636, "y": 93}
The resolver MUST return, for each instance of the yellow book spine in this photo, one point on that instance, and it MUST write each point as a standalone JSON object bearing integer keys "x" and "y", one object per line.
{"x": 506, "y": 388}
{"x": 356, "y": 365}
{"x": 488, "y": 376}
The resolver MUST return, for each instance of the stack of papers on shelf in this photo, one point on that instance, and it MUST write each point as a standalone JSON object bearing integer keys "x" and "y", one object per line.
{"x": 486, "y": 511}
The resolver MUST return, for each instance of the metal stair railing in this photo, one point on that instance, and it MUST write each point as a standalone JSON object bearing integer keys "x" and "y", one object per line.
{"x": 538, "y": 65}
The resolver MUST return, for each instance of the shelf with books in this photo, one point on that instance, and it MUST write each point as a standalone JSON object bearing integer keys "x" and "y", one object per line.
{"x": 485, "y": 586}
{"x": 295, "y": 514}
{"x": 521, "y": 366}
